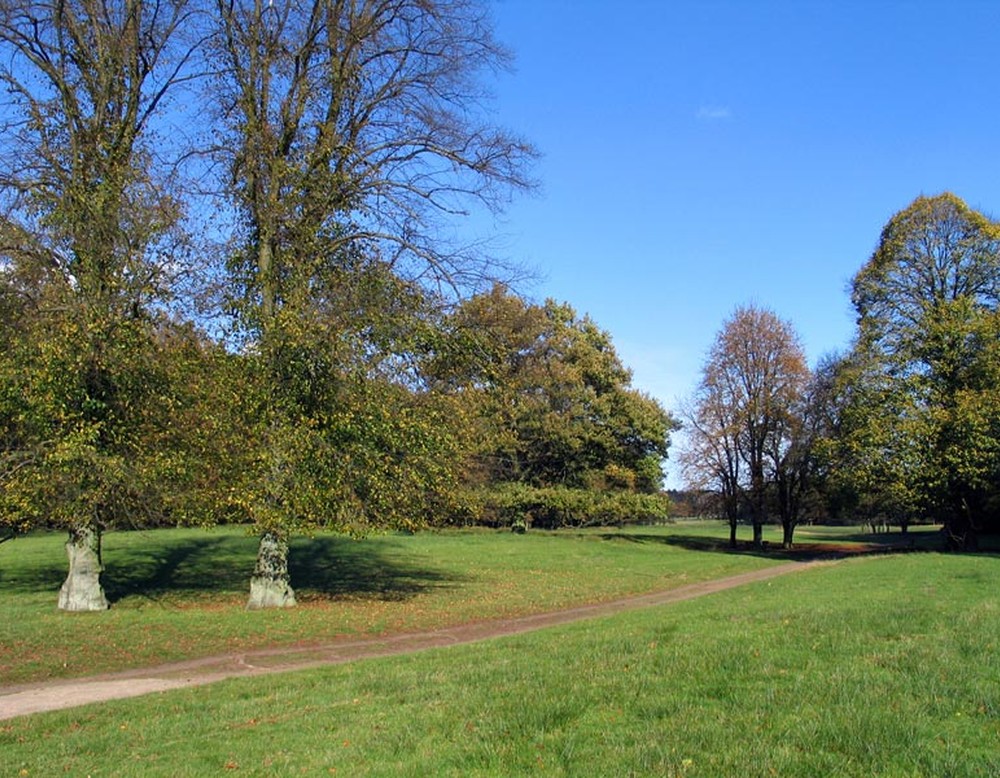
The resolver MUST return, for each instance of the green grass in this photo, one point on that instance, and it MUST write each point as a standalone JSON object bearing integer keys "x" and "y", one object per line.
{"x": 926, "y": 537}
{"x": 883, "y": 666}
{"x": 179, "y": 594}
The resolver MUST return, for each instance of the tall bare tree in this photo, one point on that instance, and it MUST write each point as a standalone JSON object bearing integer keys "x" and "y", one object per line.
{"x": 743, "y": 414}
{"x": 86, "y": 223}
{"x": 710, "y": 457}
{"x": 354, "y": 131}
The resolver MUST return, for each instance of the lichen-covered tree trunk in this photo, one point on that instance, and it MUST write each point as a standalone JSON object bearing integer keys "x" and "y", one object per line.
{"x": 82, "y": 590}
{"x": 269, "y": 586}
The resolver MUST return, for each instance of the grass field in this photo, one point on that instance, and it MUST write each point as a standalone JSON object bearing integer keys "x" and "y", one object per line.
{"x": 180, "y": 593}
{"x": 878, "y": 666}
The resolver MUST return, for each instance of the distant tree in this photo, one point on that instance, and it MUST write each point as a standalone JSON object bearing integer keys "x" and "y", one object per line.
{"x": 827, "y": 398}
{"x": 927, "y": 304}
{"x": 795, "y": 459}
{"x": 353, "y": 132}
{"x": 556, "y": 402}
{"x": 745, "y": 420}
{"x": 869, "y": 449}
{"x": 935, "y": 251}
{"x": 710, "y": 457}
{"x": 88, "y": 245}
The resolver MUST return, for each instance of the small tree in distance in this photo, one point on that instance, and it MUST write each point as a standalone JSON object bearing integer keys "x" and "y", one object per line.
{"x": 745, "y": 423}
{"x": 559, "y": 423}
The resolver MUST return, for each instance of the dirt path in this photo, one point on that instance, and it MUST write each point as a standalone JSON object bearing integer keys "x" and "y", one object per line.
{"x": 55, "y": 695}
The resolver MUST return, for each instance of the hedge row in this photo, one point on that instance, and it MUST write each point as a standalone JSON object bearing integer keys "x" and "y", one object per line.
{"x": 518, "y": 505}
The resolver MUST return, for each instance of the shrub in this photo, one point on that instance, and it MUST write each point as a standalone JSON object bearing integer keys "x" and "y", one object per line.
{"x": 519, "y": 505}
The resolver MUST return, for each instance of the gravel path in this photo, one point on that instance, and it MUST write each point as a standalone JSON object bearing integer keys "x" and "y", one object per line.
{"x": 55, "y": 695}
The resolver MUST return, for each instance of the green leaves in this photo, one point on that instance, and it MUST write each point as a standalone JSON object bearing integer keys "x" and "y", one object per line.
{"x": 552, "y": 507}
{"x": 919, "y": 432}
{"x": 553, "y": 396}
{"x": 936, "y": 251}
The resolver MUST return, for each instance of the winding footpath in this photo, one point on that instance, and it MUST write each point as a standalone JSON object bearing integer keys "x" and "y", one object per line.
{"x": 26, "y": 699}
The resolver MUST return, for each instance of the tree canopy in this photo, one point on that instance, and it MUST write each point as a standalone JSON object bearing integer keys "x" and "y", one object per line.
{"x": 89, "y": 245}
{"x": 351, "y": 129}
{"x": 919, "y": 427}
{"x": 338, "y": 140}
{"x": 556, "y": 400}
{"x": 746, "y": 421}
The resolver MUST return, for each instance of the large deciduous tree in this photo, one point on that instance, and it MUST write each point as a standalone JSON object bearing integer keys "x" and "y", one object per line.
{"x": 87, "y": 245}
{"x": 925, "y": 420}
{"x": 870, "y": 449}
{"x": 746, "y": 430}
{"x": 354, "y": 130}
{"x": 554, "y": 403}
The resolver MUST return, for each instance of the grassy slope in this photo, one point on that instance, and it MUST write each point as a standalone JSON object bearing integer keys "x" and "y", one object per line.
{"x": 180, "y": 593}
{"x": 882, "y": 666}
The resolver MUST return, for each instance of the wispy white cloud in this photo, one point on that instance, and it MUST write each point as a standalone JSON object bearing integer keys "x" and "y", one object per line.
{"x": 714, "y": 113}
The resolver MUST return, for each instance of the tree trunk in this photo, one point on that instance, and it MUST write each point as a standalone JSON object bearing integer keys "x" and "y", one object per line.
{"x": 758, "y": 535}
{"x": 269, "y": 587}
{"x": 82, "y": 590}
{"x": 732, "y": 533}
{"x": 961, "y": 538}
{"x": 786, "y": 535}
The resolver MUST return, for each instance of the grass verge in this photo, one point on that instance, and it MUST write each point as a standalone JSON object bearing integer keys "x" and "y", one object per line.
{"x": 883, "y": 666}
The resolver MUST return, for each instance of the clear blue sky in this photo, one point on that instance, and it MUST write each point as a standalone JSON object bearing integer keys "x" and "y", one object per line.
{"x": 702, "y": 155}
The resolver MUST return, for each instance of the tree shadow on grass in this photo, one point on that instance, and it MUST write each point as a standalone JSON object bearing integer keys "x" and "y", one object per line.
{"x": 45, "y": 578}
{"x": 323, "y": 567}
{"x": 140, "y": 563}
{"x": 209, "y": 565}
{"x": 895, "y": 539}
{"x": 332, "y": 566}
{"x": 840, "y": 548}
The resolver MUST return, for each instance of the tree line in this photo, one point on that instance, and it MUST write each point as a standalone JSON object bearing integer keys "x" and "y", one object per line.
{"x": 904, "y": 426}
{"x": 228, "y": 291}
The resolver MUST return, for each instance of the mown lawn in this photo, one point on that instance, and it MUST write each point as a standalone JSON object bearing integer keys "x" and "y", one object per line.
{"x": 180, "y": 593}
{"x": 879, "y": 666}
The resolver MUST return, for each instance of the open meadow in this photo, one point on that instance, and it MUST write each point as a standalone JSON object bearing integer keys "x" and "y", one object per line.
{"x": 336, "y": 345}
{"x": 883, "y": 665}
{"x": 180, "y": 593}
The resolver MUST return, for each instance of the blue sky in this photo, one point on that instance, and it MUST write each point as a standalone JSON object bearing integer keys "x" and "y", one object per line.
{"x": 702, "y": 155}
